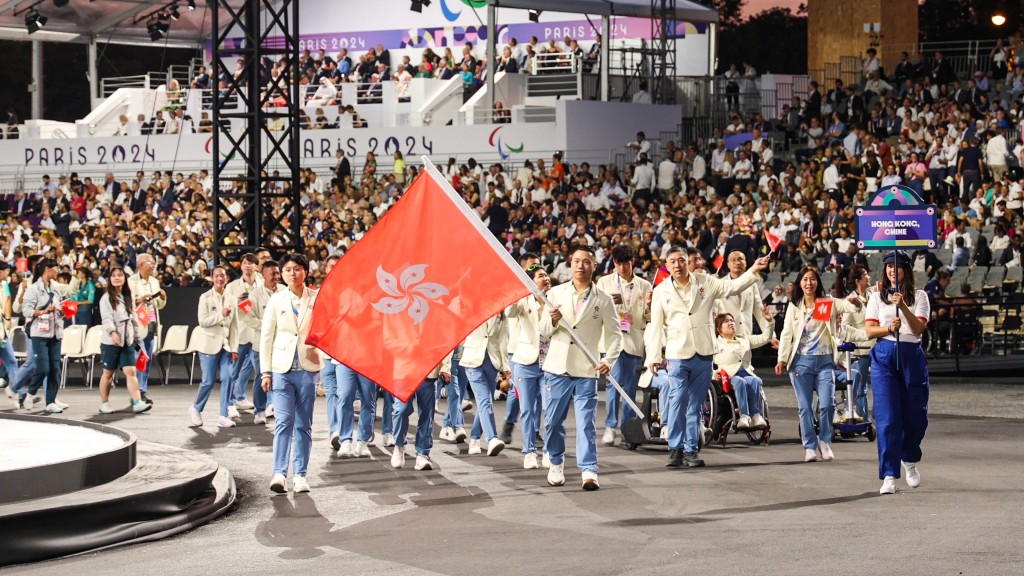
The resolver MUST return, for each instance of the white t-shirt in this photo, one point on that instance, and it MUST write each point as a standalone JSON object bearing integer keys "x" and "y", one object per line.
{"x": 883, "y": 313}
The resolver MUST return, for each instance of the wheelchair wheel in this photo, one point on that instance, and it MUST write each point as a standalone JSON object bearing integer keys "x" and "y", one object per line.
{"x": 871, "y": 433}
{"x": 709, "y": 414}
{"x": 761, "y": 436}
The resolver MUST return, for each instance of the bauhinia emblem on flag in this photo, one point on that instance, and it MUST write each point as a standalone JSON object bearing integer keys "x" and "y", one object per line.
{"x": 245, "y": 306}
{"x": 823, "y": 309}
{"x": 413, "y": 288}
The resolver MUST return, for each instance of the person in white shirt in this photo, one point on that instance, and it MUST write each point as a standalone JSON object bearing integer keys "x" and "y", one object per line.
{"x": 484, "y": 355}
{"x": 237, "y": 293}
{"x": 641, "y": 145}
{"x": 996, "y": 152}
{"x": 643, "y": 181}
{"x": 666, "y": 176}
{"x": 270, "y": 274}
{"x": 899, "y": 371}
{"x": 831, "y": 180}
{"x": 217, "y": 348}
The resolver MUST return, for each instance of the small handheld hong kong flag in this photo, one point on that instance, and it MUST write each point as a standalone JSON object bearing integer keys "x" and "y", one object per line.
{"x": 413, "y": 288}
{"x": 69, "y": 308}
{"x": 142, "y": 313}
{"x": 142, "y": 361}
{"x": 823, "y": 309}
{"x": 245, "y": 306}
{"x": 661, "y": 276}
{"x": 718, "y": 261}
{"x": 22, "y": 265}
{"x": 726, "y": 383}
{"x": 773, "y": 241}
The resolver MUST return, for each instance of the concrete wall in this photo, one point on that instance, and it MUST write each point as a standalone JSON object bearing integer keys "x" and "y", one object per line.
{"x": 835, "y": 28}
{"x": 595, "y": 130}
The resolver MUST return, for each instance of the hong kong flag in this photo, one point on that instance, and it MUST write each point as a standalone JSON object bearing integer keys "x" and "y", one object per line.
{"x": 414, "y": 287}
{"x": 823, "y": 309}
{"x": 773, "y": 241}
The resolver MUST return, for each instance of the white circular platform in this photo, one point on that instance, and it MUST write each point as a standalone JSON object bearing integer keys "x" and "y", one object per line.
{"x": 32, "y": 444}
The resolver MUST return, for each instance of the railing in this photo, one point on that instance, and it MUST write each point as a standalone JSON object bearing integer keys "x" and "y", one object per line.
{"x": 555, "y": 63}
{"x": 149, "y": 80}
{"x": 977, "y": 325}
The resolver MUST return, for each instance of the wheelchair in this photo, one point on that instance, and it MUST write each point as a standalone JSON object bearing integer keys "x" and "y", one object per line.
{"x": 846, "y": 423}
{"x": 720, "y": 413}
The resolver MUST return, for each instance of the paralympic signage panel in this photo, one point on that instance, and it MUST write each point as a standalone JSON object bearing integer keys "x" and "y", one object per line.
{"x": 896, "y": 218}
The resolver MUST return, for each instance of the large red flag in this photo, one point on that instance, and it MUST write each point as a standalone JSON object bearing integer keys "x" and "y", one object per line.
{"x": 413, "y": 288}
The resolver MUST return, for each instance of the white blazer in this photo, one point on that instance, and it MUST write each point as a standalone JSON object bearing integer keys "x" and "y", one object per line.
{"x": 259, "y": 297}
{"x": 633, "y": 342}
{"x": 796, "y": 319}
{"x": 734, "y": 355}
{"x": 595, "y": 320}
{"x": 488, "y": 339}
{"x": 282, "y": 333}
{"x": 526, "y": 313}
{"x": 744, "y": 305}
{"x": 216, "y": 331}
{"x": 687, "y": 331}
{"x": 445, "y": 366}
{"x": 247, "y": 331}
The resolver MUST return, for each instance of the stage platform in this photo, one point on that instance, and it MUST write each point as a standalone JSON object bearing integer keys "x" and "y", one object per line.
{"x": 71, "y": 487}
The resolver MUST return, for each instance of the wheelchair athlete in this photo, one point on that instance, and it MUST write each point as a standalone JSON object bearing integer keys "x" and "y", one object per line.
{"x": 733, "y": 358}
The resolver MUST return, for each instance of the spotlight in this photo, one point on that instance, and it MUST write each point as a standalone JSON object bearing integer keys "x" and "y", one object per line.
{"x": 174, "y": 12}
{"x": 191, "y": 5}
{"x": 535, "y": 15}
{"x": 417, "y": 6}
{"x": 998, "y": 18}
{"x": 60, "y": 3}
{"x": 154, "y": 31}
{"x": 34, "y": 21}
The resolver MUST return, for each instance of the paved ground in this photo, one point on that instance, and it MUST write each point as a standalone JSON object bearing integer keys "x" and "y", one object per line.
{"x": 754, "y": 510}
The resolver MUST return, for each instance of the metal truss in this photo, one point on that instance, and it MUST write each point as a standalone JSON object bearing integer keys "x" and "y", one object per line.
{"x": 663, "y": 52}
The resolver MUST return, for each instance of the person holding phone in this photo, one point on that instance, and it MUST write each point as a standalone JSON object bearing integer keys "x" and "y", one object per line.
{"x": 119, "y": 342}
{"x": 42, "y": 307}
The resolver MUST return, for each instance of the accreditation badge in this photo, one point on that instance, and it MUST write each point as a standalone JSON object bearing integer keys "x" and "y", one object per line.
{"x": 625, "y": 322}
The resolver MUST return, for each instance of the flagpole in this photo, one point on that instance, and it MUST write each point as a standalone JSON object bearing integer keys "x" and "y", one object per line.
{"x": 475, "y": 220}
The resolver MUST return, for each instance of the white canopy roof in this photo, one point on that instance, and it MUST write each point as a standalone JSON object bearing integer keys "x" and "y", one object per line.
{"x": 685, "y": 9}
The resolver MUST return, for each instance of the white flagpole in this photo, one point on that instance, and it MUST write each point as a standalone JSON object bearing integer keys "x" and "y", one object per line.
{"x": 475, "y": 220}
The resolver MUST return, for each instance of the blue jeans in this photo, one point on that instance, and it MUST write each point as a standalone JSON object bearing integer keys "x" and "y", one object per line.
{"x": 294, "y": 394}
{"x": 529, "y": 381}
{"x": 810, "y": 374}
{"x": 23, "y": 378}
{"x": 329, "y": 376}
{"x": 453, "y": 416}
{"x": 259, "y": 397}
{"x": 349, "y": 383}
{"x": 748, "y": 392}
{"x": 689, "y": 381}
{"x": 663, "y": 384}
{"x": 387, "y": 421}
{"x": 423, "y": 400}
{"x": 46, "y": 353}
{"x": 860, "y": 385}
{"x": 147, "y": 345}
{"x": 10, "y": 363}
{"x": 625, "y": 373}
{"x": 511, "y": 404}
{"x": 241, "y": 372}
{"x": 483, "y": 379}
{"x": 210, "y": 364}
{"x": 901, "y": 403}
{"x": 583, "y": 392}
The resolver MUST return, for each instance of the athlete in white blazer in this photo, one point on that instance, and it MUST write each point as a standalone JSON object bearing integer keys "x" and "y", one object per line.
{"x": 733, "y": 357}
{"x": 568, "y": 371}
{"x": 483, "y": 356}
{"x": 744, "y": 305}
{"x": 681, "y": 323}
{"x": 238, "y": 292}
{"x": 631, "y": 295}
{"x": 288, "y": 365}
{"x": 270, "y": 273}
{"x": 512, "y": 408}
{"x": 217, "y": 345}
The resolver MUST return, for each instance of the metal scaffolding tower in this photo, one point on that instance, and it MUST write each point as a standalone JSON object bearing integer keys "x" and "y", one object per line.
{"x": 256, "y": 127}
{"x": 662, "y": 77}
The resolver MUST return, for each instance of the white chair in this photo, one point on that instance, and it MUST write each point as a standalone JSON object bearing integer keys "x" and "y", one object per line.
{"x": 193, "y": 349}
{"x": 19, "y": 340}
{"x": 174, "y": 343}
{"x": 92, "y": 350}
{"x": 71, "y": 348}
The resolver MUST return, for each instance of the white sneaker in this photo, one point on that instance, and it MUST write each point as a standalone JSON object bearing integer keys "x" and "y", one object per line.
{"x": 467, "y": 405}
{"x": 389, "y": 440}
{"x": 530, "y": 461}
{"x": 195, "y": 417}
{"x": 423, "y": 463}
{"x": 609, "y": 437}
{"x": 474, "y": 446}
{"x": 495, "y": 446}
{"x": 345, "y": 450}
{"x": 52, "y": 408}
{"x": 556, "y": 475}
{"x": 13, "y": 398}
{"x": 259, "y": 418}
{"x": 3, "y": 382}
{"x": 888, "y": 486}
{"x": 277, "y": 484}
{"x": 232, "y": 412}
{"x": 590, "y": 482}
{"x": 758, "y": 422}
{"x": 664, "y": 433}
{"x": 546, "y": 460}
{"x": 398, "y": 457}
{"x": 29, "y": 402}
{"x": 810, "y": 455}
{"x": 106, "y": 408}
{"x": 244, "y": 405}
{"x": 826, "y": 451}
{"x": 61, "y": 405}
{"x": 448, "y": 434}
{"x": 743, "y": 423}
{"x": 270, "y": 410}
{"x": 361, "y": 450}
{"x": 460, "y": 435}
{"x": 223, "y": 422}
{"x": 335, "y": 441}
{"x": 299, "y": 484}
{"x": 911, "y": 474}
{"x": 140, "y": 406}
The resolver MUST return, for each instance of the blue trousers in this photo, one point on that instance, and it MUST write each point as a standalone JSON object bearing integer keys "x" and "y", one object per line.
{"x": 583, "y": 392}
{"x": 241, "y": 372}
{"x": 484, "y": 380}
{"x": 147, "y": 345}
{"x": 512, "y": 409}
{"x": 901, "y": 403}
{"x": 46, "y": 353}
{"x": 351, "y": 382}
{"x": 625, "y": 373}
{"x": 259, "y": 397}
{"x": 810, "y": 374}
{"x": 10, "y": 363}
{"x": 329, "y": 376}
{"x": 689, "y": 381}
{"x": 210, "y": 365}
{"x": 423, "y": 400}
{"x": 662, "y": 382}
{"x": 748, "y": 392}
{"x": 294, "y": 394}
{"x": 453, "y": 416}
{"x": 529, "y": 383}
{"x": 387, "y": 420}
{"x": 860, "y": 385}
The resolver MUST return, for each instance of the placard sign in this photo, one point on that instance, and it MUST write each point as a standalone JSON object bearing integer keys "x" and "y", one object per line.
{"x": 896, "y": 219}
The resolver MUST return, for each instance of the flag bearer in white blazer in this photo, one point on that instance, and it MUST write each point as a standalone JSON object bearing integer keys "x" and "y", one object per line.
{"x": 681, "y": 322}
{"x": 217, "y": 346}
{"x": 527, "y": 377}
{"x": 632, "y": 298}
{"x": 289, "y": 366}
{"x": 568, "y": 372}
{"x": 423, "y": 400}
{"x": 483, "y": 356}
